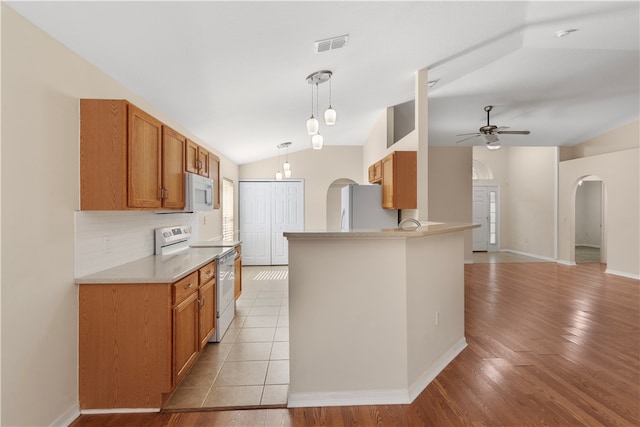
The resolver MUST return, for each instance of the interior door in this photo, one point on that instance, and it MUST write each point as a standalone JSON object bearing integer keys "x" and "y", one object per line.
{"x": 480, "y": 216}
{"x": 287, "y": 215}
{"x": 255, "y": 222}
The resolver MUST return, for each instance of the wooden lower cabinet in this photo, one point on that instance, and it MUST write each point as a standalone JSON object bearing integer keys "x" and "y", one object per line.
{"x": 207, "y": 302}
{"x": 137, "y": 341}
{"x": 125, "y": 345}
{"x": 186, "y": 341}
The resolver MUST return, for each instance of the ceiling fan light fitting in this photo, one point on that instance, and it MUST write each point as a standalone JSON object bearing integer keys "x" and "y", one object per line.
{"x": 494, "y": 147}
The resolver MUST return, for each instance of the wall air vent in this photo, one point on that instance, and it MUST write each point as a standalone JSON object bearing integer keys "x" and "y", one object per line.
{"x": 330, "y": 44}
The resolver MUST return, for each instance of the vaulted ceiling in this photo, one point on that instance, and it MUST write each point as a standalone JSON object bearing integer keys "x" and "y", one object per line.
{"x": 233, "y": 73}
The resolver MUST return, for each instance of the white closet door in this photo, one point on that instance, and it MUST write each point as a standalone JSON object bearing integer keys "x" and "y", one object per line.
{"x": 255, "y": 222}
{"x": 287, "y": 215}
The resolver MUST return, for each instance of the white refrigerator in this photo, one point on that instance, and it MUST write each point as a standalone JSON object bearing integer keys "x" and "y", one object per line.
{"x": 362, "y": 208}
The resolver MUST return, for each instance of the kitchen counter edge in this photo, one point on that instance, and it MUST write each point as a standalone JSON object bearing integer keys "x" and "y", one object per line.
{"x": 425, "y": 230}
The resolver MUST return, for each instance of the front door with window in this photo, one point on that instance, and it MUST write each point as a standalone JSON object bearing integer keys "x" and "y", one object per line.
{"x": 485, "y": 213}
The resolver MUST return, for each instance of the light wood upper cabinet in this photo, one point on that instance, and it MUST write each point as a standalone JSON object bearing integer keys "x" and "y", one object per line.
{"x": 144, "y": 160}
{"x": 127, "y": 160}
{"x": 173, "y": 181}
{"x": 399, "y": 180}
{"x": 214, "y": 173}
{"x": 196, "y": 159}
{"x": 375, "y": 172}
{"x": 191, "y": 157}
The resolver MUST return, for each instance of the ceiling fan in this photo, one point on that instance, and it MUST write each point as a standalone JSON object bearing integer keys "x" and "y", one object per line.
{"x": 491, "y": 132}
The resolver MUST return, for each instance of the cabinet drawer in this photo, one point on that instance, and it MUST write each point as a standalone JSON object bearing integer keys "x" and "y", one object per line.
{"x": 207, "y": 273}
{"x": 185, "y": 287}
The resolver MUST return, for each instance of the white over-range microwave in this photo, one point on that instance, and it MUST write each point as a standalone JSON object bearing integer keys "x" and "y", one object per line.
{"x": 198, "y": 194}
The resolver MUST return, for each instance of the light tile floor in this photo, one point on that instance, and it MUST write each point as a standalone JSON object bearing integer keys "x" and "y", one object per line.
{"x": 250, "y": 366}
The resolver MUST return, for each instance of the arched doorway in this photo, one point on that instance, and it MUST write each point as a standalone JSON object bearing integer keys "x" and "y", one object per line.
{"x": 334, "y": 202}
{"x": 589, "y": 222}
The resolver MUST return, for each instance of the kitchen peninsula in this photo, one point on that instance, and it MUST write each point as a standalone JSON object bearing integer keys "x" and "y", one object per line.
{"x": 375, "y": 315}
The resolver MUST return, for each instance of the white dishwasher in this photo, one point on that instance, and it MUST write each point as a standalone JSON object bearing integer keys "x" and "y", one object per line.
{"x": 225, "y": 306}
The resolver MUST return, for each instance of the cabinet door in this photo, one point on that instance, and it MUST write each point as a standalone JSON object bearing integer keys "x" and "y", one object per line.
{"x": 144, "y": 161}
{"x": 185, "y": 336}
{"x": 172, "y": 168}
{"x": 191, "y": 157}
{"x": 203, "y": 162}
{"x": 207, "y": 302}
{"x": 387, "y": 182}
{"x": 214, "y": 173}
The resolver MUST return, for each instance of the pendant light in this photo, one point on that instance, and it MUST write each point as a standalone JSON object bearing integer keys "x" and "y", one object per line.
{"x": 317, "y": 141}
{"x": 286, "y": 166}
{"x": 313, "y": 127}
{"x": 330, "y": 114}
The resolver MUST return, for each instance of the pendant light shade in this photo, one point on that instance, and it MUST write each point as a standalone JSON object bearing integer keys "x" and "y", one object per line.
{"x": 287, "y": 173}
{"x": 317, "y": 141}
{"x": 330, "y": 116}
{"x": 286, "y": 166}
{"x": 279, "y": 176}
{"x": 312, "y": 125}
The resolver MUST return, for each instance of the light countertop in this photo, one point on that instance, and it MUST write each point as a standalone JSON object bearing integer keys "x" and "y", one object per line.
{"x": 215, "y": 244}
{"x": 156, "y": 268}
{"x": 425, "y": 230}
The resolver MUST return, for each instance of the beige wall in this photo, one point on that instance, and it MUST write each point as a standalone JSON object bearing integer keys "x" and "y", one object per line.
{"x": 319, "y": 169}
{"x": 618, "y": 139}
{"x": 530, "y": 201}
{"x": 449, "y": 188}
{"x": 42, "y": 82}
{"x": 526, "y": 178}
{"x": 621, "y": 185}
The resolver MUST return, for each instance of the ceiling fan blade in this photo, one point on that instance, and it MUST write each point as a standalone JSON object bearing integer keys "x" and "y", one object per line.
{"x": 514, "y": 132}
{"x": 502, "y": 127}
{"x": 465, "y": 134}
{"x": 466, "y": 139}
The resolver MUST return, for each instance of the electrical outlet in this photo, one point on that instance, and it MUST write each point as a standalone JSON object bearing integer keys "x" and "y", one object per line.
{"x": 437, "y": 318}
{"x": 106, "y": 244}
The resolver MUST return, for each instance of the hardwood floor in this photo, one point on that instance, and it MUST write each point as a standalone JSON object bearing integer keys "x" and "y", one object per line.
{"x": 549, "y": 345}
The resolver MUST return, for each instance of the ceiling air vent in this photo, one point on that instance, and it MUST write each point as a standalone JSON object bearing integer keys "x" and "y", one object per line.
{"x": 330, "y": 44}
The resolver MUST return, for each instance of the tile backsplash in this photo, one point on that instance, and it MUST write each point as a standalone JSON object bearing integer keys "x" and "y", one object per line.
{"x": 105, "y": 239}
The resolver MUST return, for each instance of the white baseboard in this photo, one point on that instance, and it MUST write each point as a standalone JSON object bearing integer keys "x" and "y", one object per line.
{"x": 68, "y": 416}
{"x": 378, "y": 397}
{"x": 119, "y": 411}
{"x": 586, "y": 245}
{"x": 512, "y": 251}
{"x": 623, "y": 274}
{"x": 564, "y": 262}
{"x": 430, "y": 374}
{"x": 468, "y": 261}
{"x": 348, "y": 398}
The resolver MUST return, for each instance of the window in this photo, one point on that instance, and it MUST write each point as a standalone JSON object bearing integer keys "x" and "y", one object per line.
{"x": 227, "y": 209}
{"x": 493, "y": 218}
